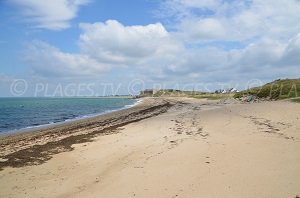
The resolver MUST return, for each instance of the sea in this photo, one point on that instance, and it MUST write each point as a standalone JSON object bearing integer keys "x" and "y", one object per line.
{"x": 19, "y": 114}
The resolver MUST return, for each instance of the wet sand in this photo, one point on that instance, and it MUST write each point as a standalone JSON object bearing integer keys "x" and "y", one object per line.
{"x": 192, "y": 148}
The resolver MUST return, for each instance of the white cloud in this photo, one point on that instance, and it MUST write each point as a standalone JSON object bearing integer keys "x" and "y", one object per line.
{"x": 205, "y": 29}
{"x": 235, "y": 21}
{"x": 115, "y": 43}
{"x": 258, "y": 55}
{"x": 53, "y": 15}
{"x": 50, "y": 61}
{"x": 291, "y": 55}
{"x": 104, "y": 46}
{"x": 202, "y": 60}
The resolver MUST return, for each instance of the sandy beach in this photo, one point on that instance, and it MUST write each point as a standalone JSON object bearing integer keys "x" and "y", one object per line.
{"x": 170, "y": 147}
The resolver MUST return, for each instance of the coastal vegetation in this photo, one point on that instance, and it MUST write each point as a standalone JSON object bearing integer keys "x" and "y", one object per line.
{"x": 192, "y": 94}
{"x": 278, "y": 89}
{"x": 213, "y": 96}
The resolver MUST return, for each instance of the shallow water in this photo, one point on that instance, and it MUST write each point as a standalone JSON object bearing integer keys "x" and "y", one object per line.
{"x": 20, "y": 113}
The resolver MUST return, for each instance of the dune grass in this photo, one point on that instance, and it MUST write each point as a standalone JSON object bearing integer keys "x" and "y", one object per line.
{"x": 278, "y": 89}
{"x": 175, "y": 93}
{"x": 191, "y": 94}
{"x": 211, "y": 96}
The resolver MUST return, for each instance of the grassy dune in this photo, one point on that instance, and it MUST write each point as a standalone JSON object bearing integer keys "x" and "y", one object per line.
{"x": 192, "y": 94}
{"x": 278, "y": 89}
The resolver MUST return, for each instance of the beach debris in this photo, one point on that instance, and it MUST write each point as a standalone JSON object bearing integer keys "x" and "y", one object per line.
{"x": 139, "y": 167}
{"x": 252, "y": 99}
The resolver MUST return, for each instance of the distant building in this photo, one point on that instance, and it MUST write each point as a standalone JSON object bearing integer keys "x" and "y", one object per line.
{"x": 231, "y": 90}
{"x": 224, "y": 91}
{"x": 234, "y": 90}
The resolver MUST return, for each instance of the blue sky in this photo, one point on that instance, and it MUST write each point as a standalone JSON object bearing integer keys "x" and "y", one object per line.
{"x": 131, "y": 45}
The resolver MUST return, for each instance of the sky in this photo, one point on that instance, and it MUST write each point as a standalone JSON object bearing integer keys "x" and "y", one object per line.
{"x": 104, "y": 47}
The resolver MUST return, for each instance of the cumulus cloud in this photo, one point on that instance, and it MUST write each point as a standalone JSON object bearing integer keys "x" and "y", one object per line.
{"x": 53, "y": 15}
{"x": 104, "y": 46}
{"x": 115, "y": 43}
{"x": 50, "y": 61}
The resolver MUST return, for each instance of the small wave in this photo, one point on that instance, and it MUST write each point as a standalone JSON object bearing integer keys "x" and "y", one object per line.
{"x": 138, "y": 101}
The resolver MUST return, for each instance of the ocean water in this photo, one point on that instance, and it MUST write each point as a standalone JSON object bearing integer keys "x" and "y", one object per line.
{"x": 22, "y": 113}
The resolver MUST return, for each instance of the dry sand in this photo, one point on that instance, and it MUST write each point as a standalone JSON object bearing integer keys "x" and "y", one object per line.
{"x": 198, "y": 149}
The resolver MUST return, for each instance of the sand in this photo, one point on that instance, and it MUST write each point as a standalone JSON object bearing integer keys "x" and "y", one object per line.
{"x": 196, "y": 148}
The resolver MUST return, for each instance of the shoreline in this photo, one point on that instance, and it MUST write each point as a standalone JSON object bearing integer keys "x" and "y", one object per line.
{"x": 67, "y": 121}
{"x": 84, "y": 118}
{"x": 15, "y": 149}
